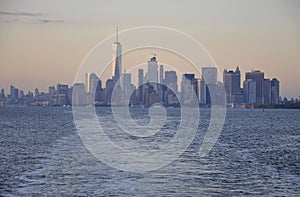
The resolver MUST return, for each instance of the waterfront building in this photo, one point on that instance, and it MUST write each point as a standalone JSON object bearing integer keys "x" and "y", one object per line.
{"x": 210, "y": 75}
{"x": 267, "y": 91}
{"x": 274, "y": 91}
{"x": 79, "y": 95}
{"x": 153, "y": 72}
{"x": 232, "y": 85}
{"x": 258, "y": 78}
{"x": 249, "y": 92}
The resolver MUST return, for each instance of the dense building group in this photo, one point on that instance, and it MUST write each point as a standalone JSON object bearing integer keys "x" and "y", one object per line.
{"x": 154, "y": 86}
{"x": 256, "y": 89}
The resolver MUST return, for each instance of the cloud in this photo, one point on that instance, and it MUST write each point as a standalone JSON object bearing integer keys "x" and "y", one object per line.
{"x": 20, "y": 13}
{"x": 26, "y": 17}
{"x": 50, "y": 21}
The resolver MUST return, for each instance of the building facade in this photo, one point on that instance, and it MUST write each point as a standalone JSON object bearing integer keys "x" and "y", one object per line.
{"x": 153, "y": 72}
{"x": 274, "y": 91}
{"x": 258, "y": 77}
{"x": 232, "y": 84}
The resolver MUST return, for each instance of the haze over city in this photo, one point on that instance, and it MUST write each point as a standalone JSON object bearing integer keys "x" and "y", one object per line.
{"x": 43, "y": 43}
{"x": 149, "y": 98}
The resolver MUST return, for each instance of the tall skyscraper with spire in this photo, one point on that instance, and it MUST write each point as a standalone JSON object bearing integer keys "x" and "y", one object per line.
{"x": 117, "y": 58}
{"x": 153, "y": 71}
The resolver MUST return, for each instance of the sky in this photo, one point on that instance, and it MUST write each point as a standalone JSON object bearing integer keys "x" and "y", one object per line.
{"x": 42, "y": 42}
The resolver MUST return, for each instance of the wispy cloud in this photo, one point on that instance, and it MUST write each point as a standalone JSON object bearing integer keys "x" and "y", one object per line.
{"x": 26, "y": 17}
{"x": 50, "y": 21}
{"x": 16, "y": 13}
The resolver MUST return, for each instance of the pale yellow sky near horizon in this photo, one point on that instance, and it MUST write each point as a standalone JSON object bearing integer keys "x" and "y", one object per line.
{"x": 42, "y": 43}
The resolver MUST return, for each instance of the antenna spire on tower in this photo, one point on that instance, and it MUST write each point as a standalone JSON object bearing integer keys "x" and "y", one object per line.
{"x": 117, "y": 36}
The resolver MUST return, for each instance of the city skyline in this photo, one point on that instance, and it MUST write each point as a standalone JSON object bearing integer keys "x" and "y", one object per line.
{"x": 265, "y": 36}
{"x": 156, "y": 86}
{"x": 255, "y": 89}
{"x": 160, "y": 98}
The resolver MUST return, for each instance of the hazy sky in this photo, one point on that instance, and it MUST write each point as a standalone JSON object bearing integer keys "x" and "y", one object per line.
{"x": 43, "y": 42}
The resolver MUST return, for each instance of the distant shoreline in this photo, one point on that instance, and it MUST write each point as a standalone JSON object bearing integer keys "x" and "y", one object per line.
{"x": 268, "y": 106}
{"x": 279, "y": 106}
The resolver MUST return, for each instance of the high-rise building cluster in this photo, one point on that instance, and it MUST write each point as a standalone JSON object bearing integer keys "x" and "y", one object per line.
{"x": 59, "y": 96}
{"x": 157, "y": 85}
{"x": 256, "y": 88}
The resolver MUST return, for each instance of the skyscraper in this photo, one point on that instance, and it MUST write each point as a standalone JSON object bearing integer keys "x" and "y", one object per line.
{"x": 2, "y": 94}
{"x": 87, "y": 82}
{"x": 140, "y": 85}
{"x": 93, "y": 82}
{"x": 171, "y": 80}
{"x": 117, "y": 59}
{"x": 187, "y": 88}
{"x": 62, "y": 94}
{"x": 267, "y": 91}
{"x": 78, "y": 97}
{"x": 36, "y": 93}
{"x": 197, "y": 88}
{"x": 126, "y": 87}
{"x": 52, "y": 91}
{"x": 210, "y": 75}
{"x": 250, "y": 92}
{"x": 141, "y": 76}
{"x": 202, "y": 92}
{"x": 93, "y": 87}
{"x": 161, "y": 74}
{"x": 13, "y": 94}
{"x": 258, "y": 77}
{"x": 232, "y": 84}
{"x": 274, "y": 91}
{"x": 152, "y": 72}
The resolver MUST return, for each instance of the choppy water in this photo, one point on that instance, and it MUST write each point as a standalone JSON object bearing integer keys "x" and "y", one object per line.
{"x": 257, "y": 154}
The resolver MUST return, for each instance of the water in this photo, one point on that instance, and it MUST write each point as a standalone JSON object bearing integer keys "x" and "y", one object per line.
{"x": 256, "y": 154}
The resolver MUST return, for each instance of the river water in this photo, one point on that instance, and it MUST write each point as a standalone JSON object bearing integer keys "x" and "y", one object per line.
{"x": 257, "y": 153}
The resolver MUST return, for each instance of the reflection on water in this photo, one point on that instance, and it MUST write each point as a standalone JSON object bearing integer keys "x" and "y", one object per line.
{"x": 257, "y": 153}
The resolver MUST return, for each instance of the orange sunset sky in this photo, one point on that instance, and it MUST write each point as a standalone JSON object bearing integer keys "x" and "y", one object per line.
{"x": 42, "y": 43}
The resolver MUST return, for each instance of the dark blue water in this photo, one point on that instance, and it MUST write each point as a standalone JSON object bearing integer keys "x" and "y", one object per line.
{"x": 257, "y": 154}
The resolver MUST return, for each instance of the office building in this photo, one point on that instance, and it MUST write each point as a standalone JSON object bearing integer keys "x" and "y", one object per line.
{"x": 78, "y": 94}
{"x": 153, "y": 72}
{"x": 267, "y": 91}
{"x": 126, "y": 87}
{"x": 14, "y": 94}
{"x": 52, "y": 91}
{"x": 171, "y": 80}
{"x": 249, "y": 92}
{"x": 210, "y": 75}
{"x": 258, "y": 77}
{"x": 202, "y": 92}
{"x": 108, "y": 91}
{"x": 187, "y": 89}
{"x": 232, "y": 85}
{"x": 150, "y": 95}
{"x": 36, "y": 93}
{"x": 161, "y": 74}
{"x": 62, "y": 94}
{"x": 274, "y": 91}
{"x": 94, "y": 82}
{"x": 140, "y": 85}
{"x": 2, "y": 94}
{"x": 87, "y": 82}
